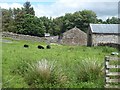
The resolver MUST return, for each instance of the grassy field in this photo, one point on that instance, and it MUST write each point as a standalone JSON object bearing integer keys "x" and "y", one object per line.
{"x": 68, "y": 61}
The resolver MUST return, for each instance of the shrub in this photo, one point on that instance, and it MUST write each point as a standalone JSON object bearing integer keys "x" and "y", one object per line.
{"x": 44, "y": 74}
{"x": 88, "y": 70}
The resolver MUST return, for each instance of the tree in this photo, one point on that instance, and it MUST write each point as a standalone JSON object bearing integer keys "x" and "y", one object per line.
{"x": 88, "y": 17}
{"x": 7, "y": 20}
{"x": 28, "y": 9}
{"x": 77, "y": 19}
{"x": 26, "y": 22}
{"x": 19, "y": 17}
{"x": 57, "y": 26}
{"x": 113, "y": 20}
{"x": 80, "y": 19}
{"x": 32, "y": 26}
{"x": 47, "y": 24}
{"x": 100, "y": 21}
{"x": 68, "y": 22}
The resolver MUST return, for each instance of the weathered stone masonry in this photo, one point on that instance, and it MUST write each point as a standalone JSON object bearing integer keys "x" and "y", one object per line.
{"x": 102, "y": 38}
{"x": 52, "y": 39}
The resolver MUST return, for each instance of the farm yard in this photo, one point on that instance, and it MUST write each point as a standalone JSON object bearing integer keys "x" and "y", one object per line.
{"x": 61, "y": 66}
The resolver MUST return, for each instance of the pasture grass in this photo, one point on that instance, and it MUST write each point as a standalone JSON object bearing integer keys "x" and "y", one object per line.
{"x": 15, "y": 60}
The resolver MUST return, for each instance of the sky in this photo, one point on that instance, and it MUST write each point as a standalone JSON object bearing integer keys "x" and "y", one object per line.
{"x": 56, "y": 8}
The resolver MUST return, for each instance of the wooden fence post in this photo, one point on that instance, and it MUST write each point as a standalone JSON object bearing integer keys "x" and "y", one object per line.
{"x": 109, "y": 80}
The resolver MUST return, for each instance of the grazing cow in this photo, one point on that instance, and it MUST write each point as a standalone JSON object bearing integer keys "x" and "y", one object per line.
{"x": 48, "y": 47}
{"x": 26, "y": 46}
{"x": 40, "y": 47}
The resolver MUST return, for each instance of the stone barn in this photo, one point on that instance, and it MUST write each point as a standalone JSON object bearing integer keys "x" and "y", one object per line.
{"x": 74, "y": 36}
{"x": 102, "y": 34}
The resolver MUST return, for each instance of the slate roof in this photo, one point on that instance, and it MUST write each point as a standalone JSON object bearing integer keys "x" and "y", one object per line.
{"x": 105, "y": 28}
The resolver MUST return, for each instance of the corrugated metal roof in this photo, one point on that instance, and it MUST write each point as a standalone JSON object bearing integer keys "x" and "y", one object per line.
{"x": 105, "y": 28}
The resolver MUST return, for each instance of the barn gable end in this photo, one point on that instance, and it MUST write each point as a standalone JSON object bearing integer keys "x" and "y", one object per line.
{"x": 74, "y": 36}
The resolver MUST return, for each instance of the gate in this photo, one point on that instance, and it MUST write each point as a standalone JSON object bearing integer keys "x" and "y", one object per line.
{"x": 112, "y": 72}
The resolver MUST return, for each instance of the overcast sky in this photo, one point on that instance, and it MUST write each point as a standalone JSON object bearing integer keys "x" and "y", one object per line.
{"x": 55, "y": 8}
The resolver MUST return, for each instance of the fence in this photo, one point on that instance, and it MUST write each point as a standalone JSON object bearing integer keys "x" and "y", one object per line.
{"x": 112, "y": 72}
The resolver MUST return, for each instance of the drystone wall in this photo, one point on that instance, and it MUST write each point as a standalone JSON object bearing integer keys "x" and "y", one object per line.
{"x": 101, "y": 38}
{"x": 52, "y": 39}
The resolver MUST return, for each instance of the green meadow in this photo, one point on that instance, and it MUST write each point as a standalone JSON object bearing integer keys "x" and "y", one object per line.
{"x": 60, "y": 66}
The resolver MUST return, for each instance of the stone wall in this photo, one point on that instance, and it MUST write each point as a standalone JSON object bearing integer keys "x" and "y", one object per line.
{"x": 102, "y": 38}
{"x": 114, "y": 45}
{"x": 74, "y": 36}
{"x": 52, "y": 39}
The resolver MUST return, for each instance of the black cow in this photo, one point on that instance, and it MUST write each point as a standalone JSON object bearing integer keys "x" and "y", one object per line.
{"x": 26, "y": 46}
{"x": 48, "y": 47}
{"x": 40, "y": 47}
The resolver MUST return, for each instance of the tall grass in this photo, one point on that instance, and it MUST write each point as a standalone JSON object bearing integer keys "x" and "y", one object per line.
{"x": 107, "y": 49}
{"x": 20, "y": 67}
{"x": 44, "y": 73}
{"x": 88, "y": 70}
{"x": 67, "y": 69}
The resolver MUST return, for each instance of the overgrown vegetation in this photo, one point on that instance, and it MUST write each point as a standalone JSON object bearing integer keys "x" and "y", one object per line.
{"x": 44, "y": 73}
{"x": 60, "y": 66}
{"x": 89, "y": 69}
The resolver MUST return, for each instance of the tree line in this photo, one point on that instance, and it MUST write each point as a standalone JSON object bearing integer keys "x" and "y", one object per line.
{"x": 23, "y": 21}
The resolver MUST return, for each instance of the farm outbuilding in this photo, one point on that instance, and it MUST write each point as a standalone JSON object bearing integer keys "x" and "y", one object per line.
{"x": 102, "y": 34}
{"x": 74, "y": 36}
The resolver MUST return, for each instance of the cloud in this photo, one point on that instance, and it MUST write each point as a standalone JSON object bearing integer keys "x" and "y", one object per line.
{"x": 103, "y": 8}
{"x": 13, "y": 5}
{"x": 13, "y": 1}
{"x": 59, "y": 0}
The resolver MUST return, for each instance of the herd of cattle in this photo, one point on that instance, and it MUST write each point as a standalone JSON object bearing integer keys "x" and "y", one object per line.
{"x": 39, "y": 46}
